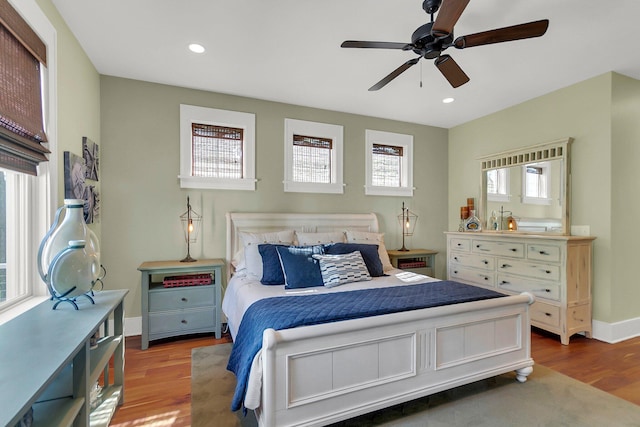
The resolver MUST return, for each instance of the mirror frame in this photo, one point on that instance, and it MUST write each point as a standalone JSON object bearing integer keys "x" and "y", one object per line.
{"x": 555, "y": 150}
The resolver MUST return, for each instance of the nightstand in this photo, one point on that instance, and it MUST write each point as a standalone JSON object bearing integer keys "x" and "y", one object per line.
{"x": 421, "y": 261}
{"x": 173, "y": 306}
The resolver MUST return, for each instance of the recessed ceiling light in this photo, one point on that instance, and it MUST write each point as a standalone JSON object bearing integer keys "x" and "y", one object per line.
{"x": 448, "y": 100}
{"x": 196, "y": 48}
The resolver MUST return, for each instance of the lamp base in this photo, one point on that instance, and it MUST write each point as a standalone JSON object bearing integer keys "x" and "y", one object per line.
{"x": 188, "y": 259}
{"x": 403, "y": 249}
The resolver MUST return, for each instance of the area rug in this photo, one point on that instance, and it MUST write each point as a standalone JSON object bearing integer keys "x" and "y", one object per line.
{"x": 546, "y": 399}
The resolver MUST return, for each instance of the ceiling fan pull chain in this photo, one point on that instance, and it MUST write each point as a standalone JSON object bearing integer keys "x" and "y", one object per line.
{"x": 420, "y": 74}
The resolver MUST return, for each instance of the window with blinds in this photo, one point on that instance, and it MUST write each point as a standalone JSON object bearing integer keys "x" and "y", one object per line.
{"x": 216, "y": 151}
{"x": 22, "y": 132}
{"x": 389, "y": 163}
{"x": 312, "y": 159}
{"x": 498, "y": 185}
{"x": 387, "y": 166}
{"x": 535, "y": 183}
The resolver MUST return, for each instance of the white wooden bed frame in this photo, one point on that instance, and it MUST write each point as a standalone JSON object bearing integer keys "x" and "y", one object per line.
{"x": 317, "y": 375}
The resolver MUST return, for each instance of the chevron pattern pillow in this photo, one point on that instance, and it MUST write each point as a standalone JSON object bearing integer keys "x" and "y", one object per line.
{"x": 337, "y": 270}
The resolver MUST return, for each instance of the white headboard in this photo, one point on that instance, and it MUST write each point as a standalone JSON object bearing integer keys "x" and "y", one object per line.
{"x": 303, "y": 222}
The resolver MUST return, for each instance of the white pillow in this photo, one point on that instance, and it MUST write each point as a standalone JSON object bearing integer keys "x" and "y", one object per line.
{"x": 354, "y": 236}
{"x": 309, "y": 239}
{"x": 250, "y": 242}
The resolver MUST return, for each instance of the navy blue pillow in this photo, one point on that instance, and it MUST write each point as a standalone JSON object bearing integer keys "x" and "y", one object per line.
{"x": 271, "y": 269}
{"x": 299, "y": 267}
{"x": 369, "y": 254}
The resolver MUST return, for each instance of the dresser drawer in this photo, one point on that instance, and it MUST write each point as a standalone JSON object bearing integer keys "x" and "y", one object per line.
{"x": 477, "y": 261}
{"x": 544, "y": 313}
{"x": 462, "y": 245}
{"x": 182, "y": 320}
{"x": 529, "y": 269}
{"x": 161, "y": 299}
{"x": 511, "y": 249}
{"x": 470, "y": 275}
{"x": 549, "y": 253}
{"x": 521, "y": 284}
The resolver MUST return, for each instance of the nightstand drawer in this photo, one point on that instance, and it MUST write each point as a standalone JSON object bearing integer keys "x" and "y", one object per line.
{"x": 173, "y": 321}
{"x": 161, "y": 299}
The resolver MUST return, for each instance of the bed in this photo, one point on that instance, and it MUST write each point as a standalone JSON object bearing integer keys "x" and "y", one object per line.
{"x": 324, "y": 373}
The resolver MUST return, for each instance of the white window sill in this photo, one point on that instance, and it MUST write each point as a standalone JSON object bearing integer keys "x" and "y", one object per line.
{"x": 371, "y": 190}
{"x": 310, "y": 187}
{"x": 217, "y": 183}
{"x": 20, "y": 308}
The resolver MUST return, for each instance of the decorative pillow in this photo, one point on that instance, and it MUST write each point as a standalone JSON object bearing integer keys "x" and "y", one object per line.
{"x": 250, "y": 242}
{"x": 369, "y": 254}
{"x": 354, "y": 236}
{"x": 306, "y": 239}
{"x": 337, "y": 270}
{"x": 271, "y": 269}
{"x": 299, "y": 268}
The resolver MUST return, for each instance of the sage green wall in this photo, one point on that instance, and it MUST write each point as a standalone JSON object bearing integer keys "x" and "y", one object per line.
{"x": 591, "y": 113}
{"x": 142, "y": 199}
{"x": 625, "y": 196}
{"x": 78, "y": 92}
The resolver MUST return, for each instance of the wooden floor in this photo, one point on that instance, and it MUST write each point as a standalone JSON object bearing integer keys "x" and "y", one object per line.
{"x": 158, "y": 380}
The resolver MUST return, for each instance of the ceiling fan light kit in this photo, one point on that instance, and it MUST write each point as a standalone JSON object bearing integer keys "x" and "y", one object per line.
{"x": 431, "y": 39}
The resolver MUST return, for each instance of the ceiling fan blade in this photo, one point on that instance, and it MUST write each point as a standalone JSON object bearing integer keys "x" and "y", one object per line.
{"x": 515, "y": 32}
{"x": 395, "y": 73}
{"x": 376, "y": 45}
{"x": 451, "y": 70}
{"x": 448, "y": 15}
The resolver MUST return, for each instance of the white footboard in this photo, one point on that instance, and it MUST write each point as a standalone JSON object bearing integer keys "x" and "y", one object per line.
{"x": 317, "y": 375}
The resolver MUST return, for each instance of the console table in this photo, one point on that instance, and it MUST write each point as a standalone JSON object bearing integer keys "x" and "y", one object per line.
{"x": 46, "y": 363}
{"x": 173, "y": 311}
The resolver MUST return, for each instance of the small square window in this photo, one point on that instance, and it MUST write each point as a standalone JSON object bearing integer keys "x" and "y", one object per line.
{"x": 498, "y": 185}
{"x": 389, "y": 164}
{"x": 313, "y": 157}
{"x": 217, "y": 149}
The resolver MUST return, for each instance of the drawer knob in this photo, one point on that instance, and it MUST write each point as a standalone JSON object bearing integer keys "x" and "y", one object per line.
{"x": 477, "y": 246}
{"x": 504, "y": 282}
{"x": 459, "y": 244}
{"x": 183, "y": 299}
{"x": 543, "y": 253}
{"x": 485, "y": 262}
{"x": 183, "y": 321}
{"x": 514, "y": 250}
{"x": 548, "y": 291}
{"x": 486, "y": 278}
{"x": 505, "y": 266}
{"x": 455, "y": 257}
{"x": 548, "y": 271}
{"x": 548, "y": 314}
{"x": 455, "y": 271}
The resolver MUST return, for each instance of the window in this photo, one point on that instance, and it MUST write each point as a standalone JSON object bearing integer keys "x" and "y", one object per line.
{"x": 498, "y": 185}
{"x": 535, "y": 183}
{"x": 389, "y": 163}
{"x": 27, "y": 188}
{"x": 217, "y": 149}
{"x": 313, "y": 157}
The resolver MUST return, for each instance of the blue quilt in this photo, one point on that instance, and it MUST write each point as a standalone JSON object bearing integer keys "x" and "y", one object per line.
{"x": 303, "y": 310}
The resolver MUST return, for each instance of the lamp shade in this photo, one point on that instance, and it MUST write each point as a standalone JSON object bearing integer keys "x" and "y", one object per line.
{"x": 407, "y": 221}
{"x": 191, "y": 221}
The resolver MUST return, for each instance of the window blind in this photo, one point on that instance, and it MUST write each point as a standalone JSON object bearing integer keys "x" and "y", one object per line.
{"x": 22, "y": 53}
{"x": 216, "y": 151}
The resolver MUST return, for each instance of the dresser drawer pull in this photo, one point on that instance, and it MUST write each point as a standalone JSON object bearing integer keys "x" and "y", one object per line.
{"x": 486, "y": 278}
{"x": 513, "y": 250}
{"x": 459, "y": 244}
{"x": 548, "y": 271}
{"x": 544, "y": 253}
{"x": 541, "y": 290}
{"x": 505, "y": 266}
{"x": 455, "y": 271}
{"x": 485, "y": 262}
{"x": 183, "y": 299}
{"x": 183, "y": 321}
{"x": 548, "y": 314}
{"x": 455, "y": 258}
{"x": 504, "y": 282}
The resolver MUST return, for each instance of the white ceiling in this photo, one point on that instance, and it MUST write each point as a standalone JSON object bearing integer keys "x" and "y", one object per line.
{"x": 289, "y": 50}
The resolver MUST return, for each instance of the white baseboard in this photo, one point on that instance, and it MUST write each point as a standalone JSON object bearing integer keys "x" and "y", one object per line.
{"x": 132, "y": 326}
{"x": 616, "y": 332}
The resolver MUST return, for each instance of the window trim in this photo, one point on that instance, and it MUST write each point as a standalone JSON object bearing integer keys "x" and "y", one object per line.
{"x": 499, "y": 197}
{"x": 546, "y": 170}
{"x": 212, "y": 116}
{"x": 320, "y": 130}
{"x": 43, "y": 187}
{"x": 393, "y": 139}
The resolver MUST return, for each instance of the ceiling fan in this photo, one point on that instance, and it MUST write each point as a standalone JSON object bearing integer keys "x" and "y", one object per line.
{"x": 433, "y": 38}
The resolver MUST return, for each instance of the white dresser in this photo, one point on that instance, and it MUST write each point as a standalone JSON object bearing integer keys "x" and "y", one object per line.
{"x": 556, "y": 269}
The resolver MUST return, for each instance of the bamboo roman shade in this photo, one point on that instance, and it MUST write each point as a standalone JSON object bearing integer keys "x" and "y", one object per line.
{"x": 22, "y": 53}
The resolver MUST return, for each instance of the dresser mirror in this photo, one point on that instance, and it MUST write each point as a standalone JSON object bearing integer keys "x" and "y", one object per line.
{"x": 527, "y": 190}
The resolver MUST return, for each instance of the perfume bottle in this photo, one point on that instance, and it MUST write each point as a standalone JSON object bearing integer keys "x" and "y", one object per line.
{"x": 473, "y": 223}
{"x": 493, "y": 221}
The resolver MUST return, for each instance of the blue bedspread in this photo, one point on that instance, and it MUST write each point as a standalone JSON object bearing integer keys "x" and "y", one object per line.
{"x": 303, "y": 310}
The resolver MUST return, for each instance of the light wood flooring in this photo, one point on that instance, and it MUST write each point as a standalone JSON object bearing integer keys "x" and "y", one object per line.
{"x": 158, "y": 380}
